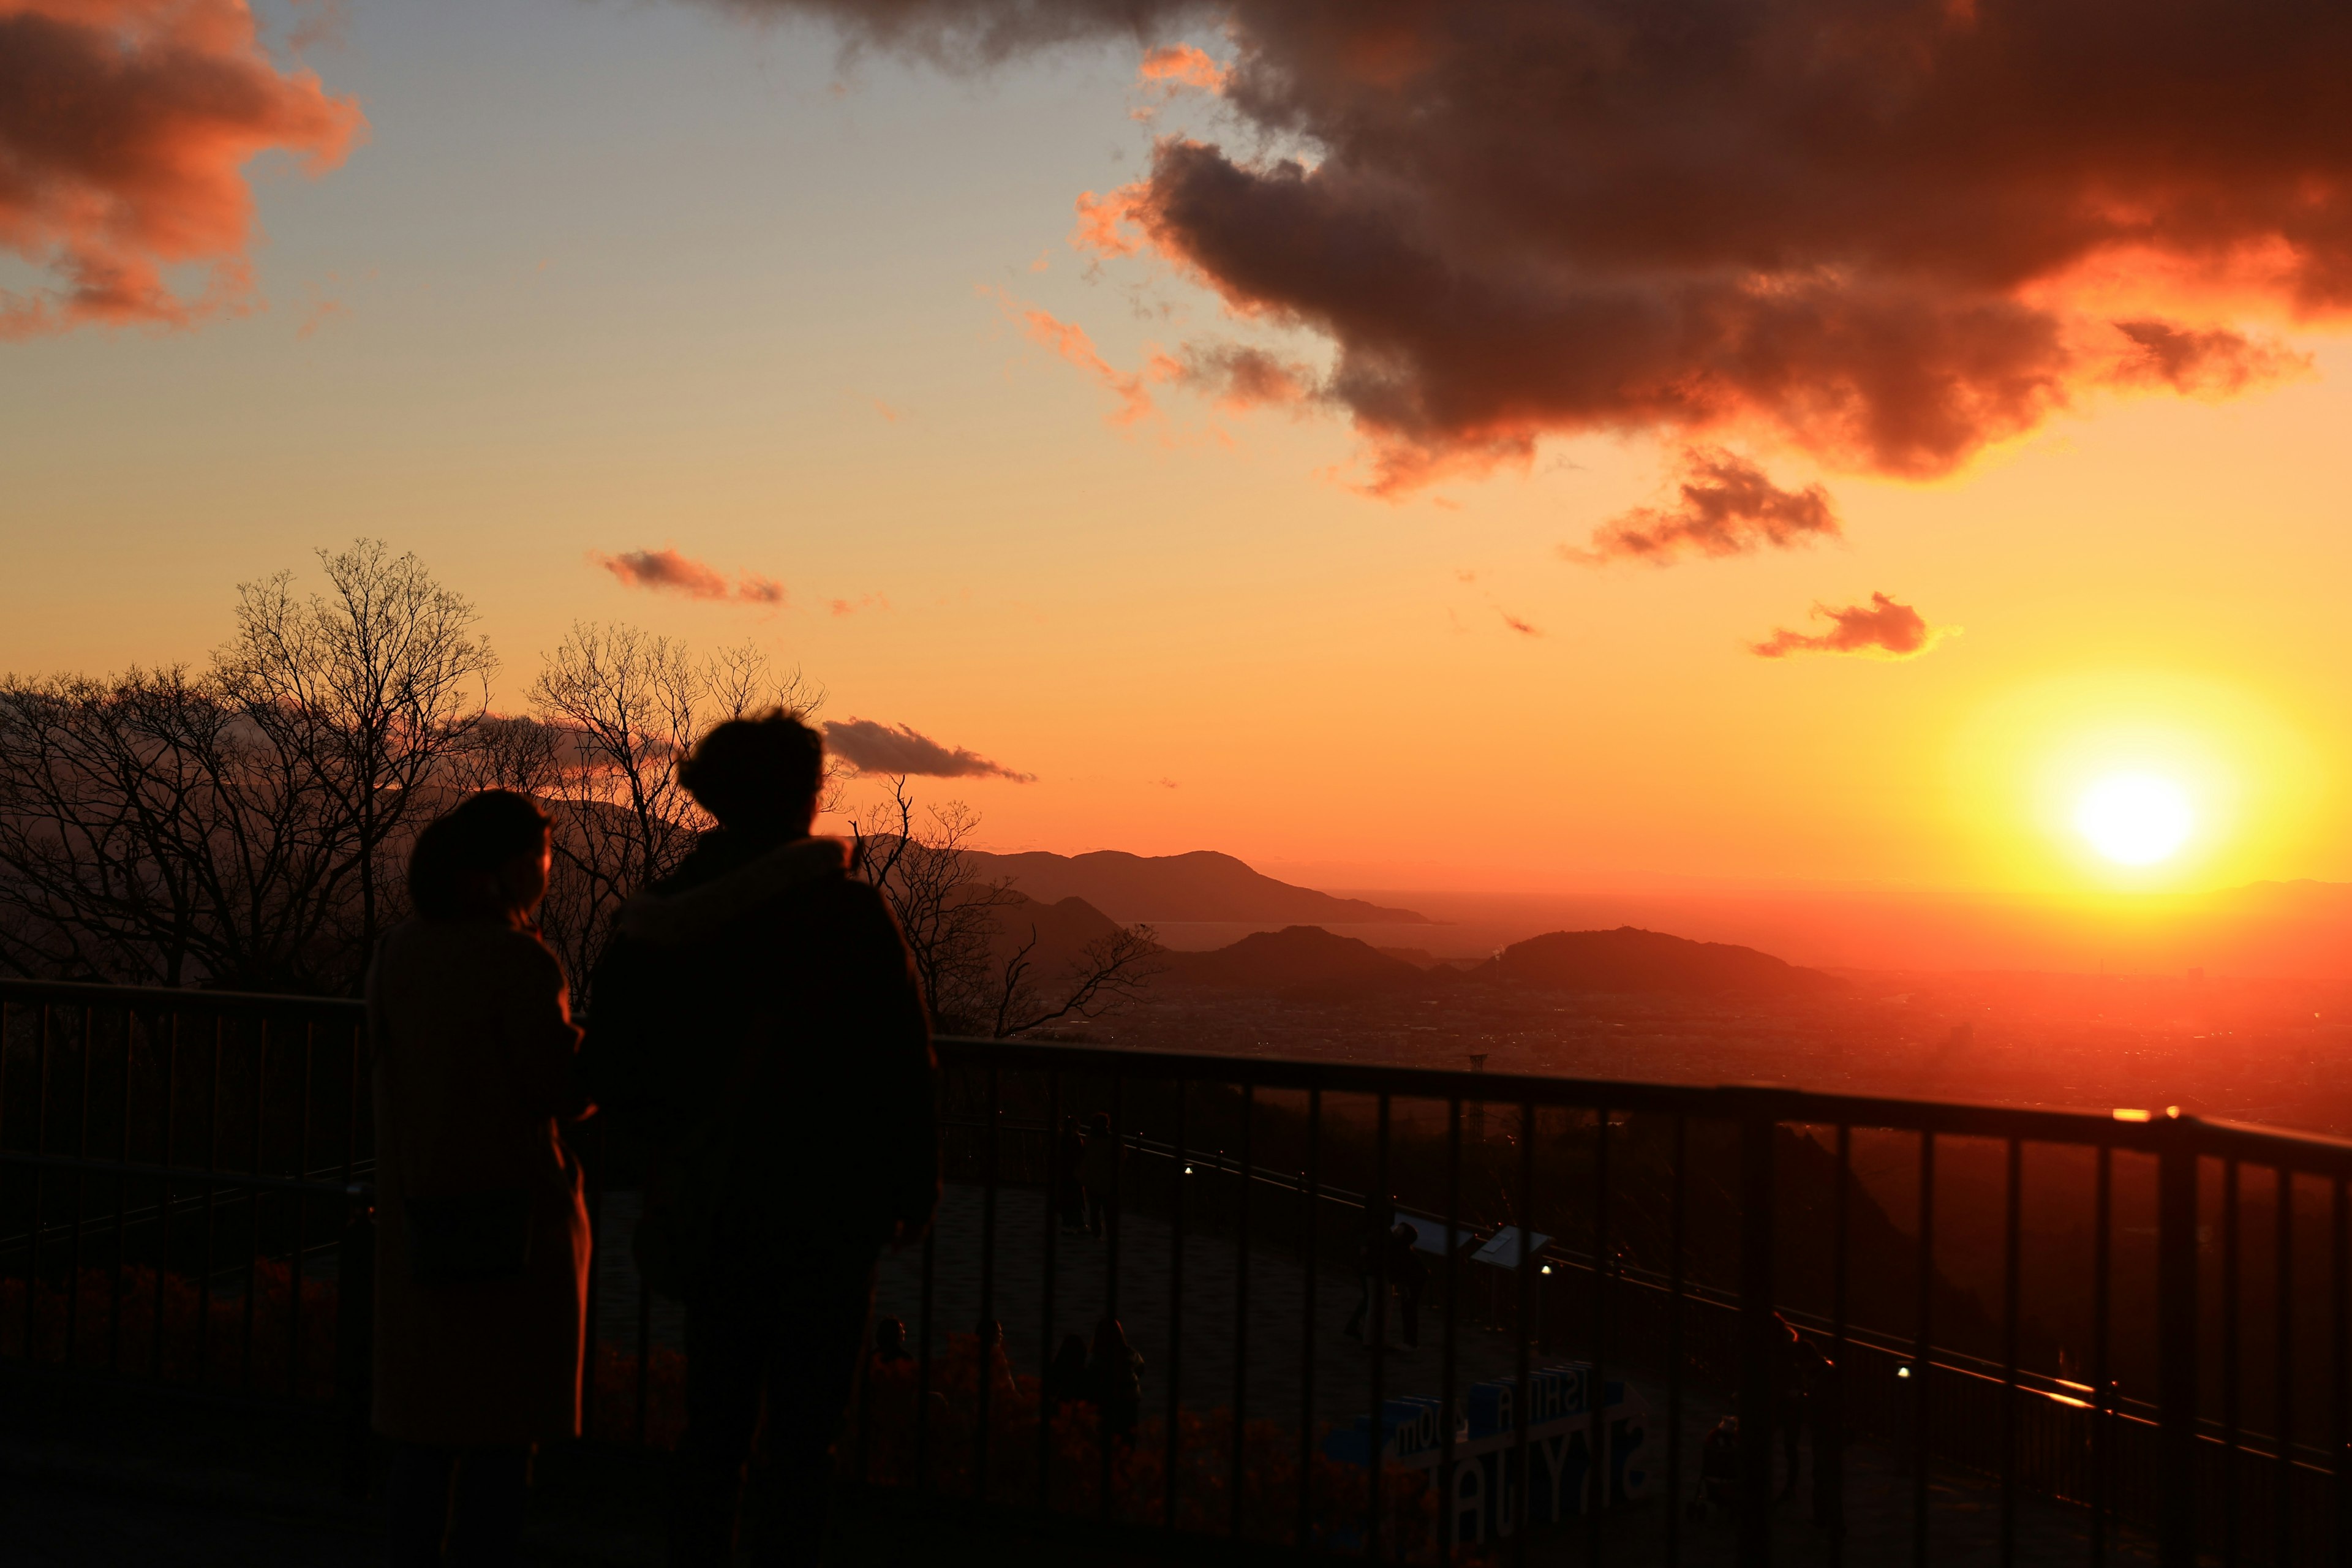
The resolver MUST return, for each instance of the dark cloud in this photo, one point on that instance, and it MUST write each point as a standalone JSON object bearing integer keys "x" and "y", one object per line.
{"x": 1887, "y": 232}
{"x": 1725, "y": 505}
{"x": 1240, "y": 378}
{"x": 1882, "y": 629}
{"x": 894, "y": 749}
{"x": 125, "y": 128}
{"x": 668, "y": 571}
{"x": 2214, "y": 363}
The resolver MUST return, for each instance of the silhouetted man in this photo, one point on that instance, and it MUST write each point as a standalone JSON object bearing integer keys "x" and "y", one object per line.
{"x": 756, "y": 1025}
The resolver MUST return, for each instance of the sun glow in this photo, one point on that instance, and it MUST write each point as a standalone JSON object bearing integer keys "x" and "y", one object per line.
{"x": 2134, "y": 782}
{"x": 2136, "y": 819}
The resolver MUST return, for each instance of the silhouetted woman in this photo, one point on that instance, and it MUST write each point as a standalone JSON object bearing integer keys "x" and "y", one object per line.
{"x": 1116, "y": 1373}
{"x": 481, "y": 1237}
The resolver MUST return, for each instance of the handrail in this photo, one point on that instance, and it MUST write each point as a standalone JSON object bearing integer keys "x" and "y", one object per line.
{"x": 2141, "y": 1132}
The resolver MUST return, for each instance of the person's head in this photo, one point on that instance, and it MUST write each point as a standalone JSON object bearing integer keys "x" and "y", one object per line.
{"x": 890, "y": 1334}
{"x": 1101, "y": 1123}
{"x": 1110, "y": 1337}
{"x": 1404, "y": 1236}
{"x": 486, "y": 859}
{"x": 758, "y": 774}
{"x": 991, "y": 1333}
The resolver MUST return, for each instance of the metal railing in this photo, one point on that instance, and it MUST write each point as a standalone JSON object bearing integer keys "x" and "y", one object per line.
{"x": 184, "y": 1184}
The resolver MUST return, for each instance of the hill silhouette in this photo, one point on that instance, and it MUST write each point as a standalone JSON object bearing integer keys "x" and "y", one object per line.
{"x": 1630, "y": 960}
{"x": 1201, "y": 885}
{"x": 1298, "y": 960}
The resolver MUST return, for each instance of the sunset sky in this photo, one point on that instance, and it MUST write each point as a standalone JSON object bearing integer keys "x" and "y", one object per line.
{"x": 929, "y": 335}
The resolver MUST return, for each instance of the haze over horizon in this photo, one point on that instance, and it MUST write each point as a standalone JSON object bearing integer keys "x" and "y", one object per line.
{"x": 965, "y": 366}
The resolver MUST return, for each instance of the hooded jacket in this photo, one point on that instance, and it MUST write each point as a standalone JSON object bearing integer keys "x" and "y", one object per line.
{"x": 756, "y": 1025}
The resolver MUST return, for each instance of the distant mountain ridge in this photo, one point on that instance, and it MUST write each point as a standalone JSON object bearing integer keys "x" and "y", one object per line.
{"x": 1298, "y": 960}
{"x": 1630, "y": 960}
{"x": 1203, "y": 885}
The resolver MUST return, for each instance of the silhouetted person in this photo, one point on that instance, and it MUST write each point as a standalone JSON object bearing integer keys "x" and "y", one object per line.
{"x": 1800, "y": 1370}
{"x": 1718, "y": 1467}
{"x": 1408, "y": 1275}
{"x": 1115, "y": 1376}
{"x": 1100, "y": 1157}
{"x": 1386, "y": 1260}
{"x": 890, "y": 1342}
{"x": 1069, "y": 1155}
{"x": 482, "y": 1278}
{"x": 1066, "y": 1380}
{"x": 757, "y": 1020}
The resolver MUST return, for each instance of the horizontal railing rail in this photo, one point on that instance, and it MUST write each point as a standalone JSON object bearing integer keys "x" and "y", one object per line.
{"x": 185, "y": 1182}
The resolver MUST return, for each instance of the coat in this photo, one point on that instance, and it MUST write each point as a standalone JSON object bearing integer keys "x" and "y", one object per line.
{"x": 472, "y": 1041}
{"x": 758, "y": 1028}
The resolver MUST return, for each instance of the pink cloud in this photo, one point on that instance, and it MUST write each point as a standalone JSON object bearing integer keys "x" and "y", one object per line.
{"x": 667, "y": 570}
{"x": 125, "y": 128}
{"x": 1880, "y": 629}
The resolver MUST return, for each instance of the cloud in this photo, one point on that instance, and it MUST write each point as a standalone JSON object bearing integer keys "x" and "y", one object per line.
{"x": 1887, "y": 235}
{"x": 125, "y": 128}
{"x": 2215, "y": 364}
{"x": 1880, "y": 629}
{"x": 1175, "y": 66}
{"x": 1070, "y": 341}
{"x": 668, "y": 571}
{"x": 1725, "y": 505}
{"x": 894, "y": 749}
{"x": 1519, "y": 626}
{"x": 1240, "y": 378}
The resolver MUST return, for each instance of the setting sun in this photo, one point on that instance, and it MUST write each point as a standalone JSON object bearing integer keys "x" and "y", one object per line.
{"x": 2135, "y": 818}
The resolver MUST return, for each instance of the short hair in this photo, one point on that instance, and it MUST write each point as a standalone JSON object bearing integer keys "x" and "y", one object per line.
{"x": 751, "y": 767}
{"x": 472, "y": 839}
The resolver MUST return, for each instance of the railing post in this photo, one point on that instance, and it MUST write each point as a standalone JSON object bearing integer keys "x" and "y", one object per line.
{"x": 1758, "y": 1338}
{"x": 2176, "y": 1331}
{"x": 355, "y": 1342}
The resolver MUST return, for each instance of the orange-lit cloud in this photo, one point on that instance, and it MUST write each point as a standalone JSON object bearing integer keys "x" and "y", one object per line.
{"x": 895, "y": 749}
{"x": 1880, "y": 629}
{"x": 2214, "y": 363}
{"x": 1175, "y": 66}
{"x": 1070, "y": 339}
{"x": 1725, "y": 505}
{"x": 1519, "y": 626}
{"x": 1098, "y": 231}
{"x": 668, "y": 571}
{"x": 125, "y": 128}
{"x": 1889, "y": 235}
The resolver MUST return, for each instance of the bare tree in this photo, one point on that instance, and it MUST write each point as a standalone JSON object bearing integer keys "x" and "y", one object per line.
{"x": 148, "y": 831}
{"x": 977, "y": 975}
{"x": 615, "y": 711}
{"x": 1108, "y": 973}
{"x": 371, "y": 686}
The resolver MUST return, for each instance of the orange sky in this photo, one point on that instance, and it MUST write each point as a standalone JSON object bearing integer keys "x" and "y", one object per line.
{"x": 600, "y": 281}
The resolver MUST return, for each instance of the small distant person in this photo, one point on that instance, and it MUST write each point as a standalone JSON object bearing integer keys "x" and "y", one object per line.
{"x": 1718, "y": 1468}
{"x": 1100, "y": 1155}
{"x": 757, "y": 1020}
{"x": 1069, "y": 1158}
{"x": 1066, "y": 1380}
{"x": 890, "y": 1343}
{"x": 1801, "y": 1371}
{"x": 1115, "y": 1375}
{"x": 481, "y": 1281}
{"x": 1408, "y": 1276}
{"x": 1377, "y": 1269}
